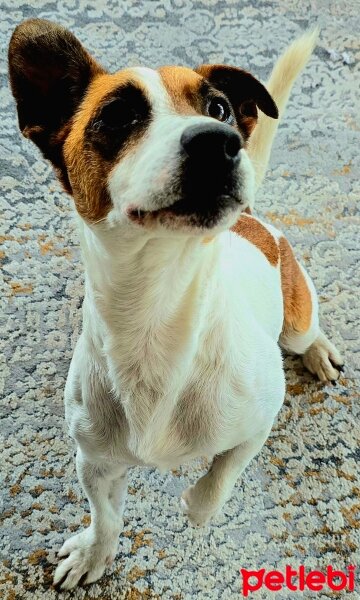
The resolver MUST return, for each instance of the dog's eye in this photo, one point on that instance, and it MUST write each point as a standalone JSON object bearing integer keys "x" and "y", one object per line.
{"x": 116, "y": 114}
{"x": 123, "y": 115}
{"x": 218, "y": 108}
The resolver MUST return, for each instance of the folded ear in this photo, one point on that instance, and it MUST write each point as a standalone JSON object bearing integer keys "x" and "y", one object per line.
{"x": 49, "y": 73}
{"x": 243, "y": 90}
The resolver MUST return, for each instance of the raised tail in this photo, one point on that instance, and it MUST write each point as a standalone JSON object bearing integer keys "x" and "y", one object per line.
{"x": 282, "y": 78}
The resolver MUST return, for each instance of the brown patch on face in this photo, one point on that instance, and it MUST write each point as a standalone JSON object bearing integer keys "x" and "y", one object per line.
{"x": 247, "y": 123}
{"x": 183, "y": 85}
{"x": 253, "y": 231}
{"x": 296, "y": 294}
{"x": 87, "y": 169}
{"x": 58, "y": 88}
{"x": 244, "y": 91}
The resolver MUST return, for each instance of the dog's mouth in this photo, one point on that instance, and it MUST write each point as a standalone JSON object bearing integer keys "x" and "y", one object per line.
{"x": 204, "y": 213}
{"x": 209, "y": 189}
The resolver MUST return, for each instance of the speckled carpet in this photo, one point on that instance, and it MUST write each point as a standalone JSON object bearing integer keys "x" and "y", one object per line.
{"x": 299, "y": 501}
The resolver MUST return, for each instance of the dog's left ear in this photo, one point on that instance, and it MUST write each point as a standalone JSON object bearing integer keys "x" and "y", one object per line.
{"x": 243, "y": 90}
{"x": 50, "y": 72}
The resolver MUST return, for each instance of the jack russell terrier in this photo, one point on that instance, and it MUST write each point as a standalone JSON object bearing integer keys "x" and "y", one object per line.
{"x": 188, "y": 297}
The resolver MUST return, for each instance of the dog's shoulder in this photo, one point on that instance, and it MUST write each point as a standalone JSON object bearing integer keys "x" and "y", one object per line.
{"x": 295, "y": 286}
{"x": 263, "y": 236}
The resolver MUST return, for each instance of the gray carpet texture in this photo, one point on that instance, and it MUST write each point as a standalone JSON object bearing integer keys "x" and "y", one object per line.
{"x": 298, "y": 502}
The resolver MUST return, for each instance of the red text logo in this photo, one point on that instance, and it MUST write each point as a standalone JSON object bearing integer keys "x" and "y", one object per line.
{"x": 298, "y": 580}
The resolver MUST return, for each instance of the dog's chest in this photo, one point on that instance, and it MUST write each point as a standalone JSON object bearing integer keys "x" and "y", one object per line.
{"x": 197, "y": 369}
{"x": 198, "y": 401}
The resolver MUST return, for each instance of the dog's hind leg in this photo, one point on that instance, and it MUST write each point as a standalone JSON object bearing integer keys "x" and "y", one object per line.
{"x": 301, "y": 333}
{"x": 205, "y": 499}
{"x": 89, "y": 552}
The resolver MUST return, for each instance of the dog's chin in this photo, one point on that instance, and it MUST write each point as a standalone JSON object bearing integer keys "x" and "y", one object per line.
{"x": 189, "y": 216}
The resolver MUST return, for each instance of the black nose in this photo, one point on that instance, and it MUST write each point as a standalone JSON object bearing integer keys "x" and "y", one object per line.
{"x": 213, "y": 143}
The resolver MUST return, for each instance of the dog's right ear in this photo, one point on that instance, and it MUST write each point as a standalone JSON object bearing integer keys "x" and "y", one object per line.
{"x": 49, "y": 73}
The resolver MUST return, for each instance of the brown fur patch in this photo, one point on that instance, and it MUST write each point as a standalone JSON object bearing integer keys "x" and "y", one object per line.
{"x": 244, "y": 92}
{"x": 182, "y": 85}
{"x": 88, "y": 171}
{"x": 252, "y": 230}
{"x": 184, "y": 88}
{"x": 58, "y": 88}
{"x": 296, "y": 294}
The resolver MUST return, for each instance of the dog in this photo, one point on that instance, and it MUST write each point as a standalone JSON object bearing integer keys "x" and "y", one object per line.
{"x": 189, "y": 298}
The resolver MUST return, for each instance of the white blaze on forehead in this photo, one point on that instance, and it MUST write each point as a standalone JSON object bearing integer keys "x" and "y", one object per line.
{"x": 148, "y": 168}
{"x": 157, "y": 93}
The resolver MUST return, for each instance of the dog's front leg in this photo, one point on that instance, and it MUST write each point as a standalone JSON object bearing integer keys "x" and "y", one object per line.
{"x": 200, "y": 502}
{"x": 89, "y": 552}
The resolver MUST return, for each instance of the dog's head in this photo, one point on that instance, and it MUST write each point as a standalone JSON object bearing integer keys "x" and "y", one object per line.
{"x": 157, "y": 149}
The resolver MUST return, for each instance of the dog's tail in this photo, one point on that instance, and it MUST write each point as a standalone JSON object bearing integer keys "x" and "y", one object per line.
{"x": 282, "y": 78}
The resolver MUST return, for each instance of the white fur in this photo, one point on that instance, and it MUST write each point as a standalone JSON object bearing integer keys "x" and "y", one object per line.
{"x": 179, "y": 353}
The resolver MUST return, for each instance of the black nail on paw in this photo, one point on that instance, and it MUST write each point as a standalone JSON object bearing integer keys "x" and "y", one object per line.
{"x": 57, "y": 586}
{"x": 82, "y": 579}
{"x": 336, "y": 366}
{"x": 333, "y": 381}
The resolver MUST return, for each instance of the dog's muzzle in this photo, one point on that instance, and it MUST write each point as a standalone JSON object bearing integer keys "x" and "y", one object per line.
{"x": 208, "y": 186}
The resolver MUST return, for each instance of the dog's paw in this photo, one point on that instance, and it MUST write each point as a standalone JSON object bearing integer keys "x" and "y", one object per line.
{"x": 324, "y": 360}
{"x": 198, "y": 511}
{"x": 84, "y": 559}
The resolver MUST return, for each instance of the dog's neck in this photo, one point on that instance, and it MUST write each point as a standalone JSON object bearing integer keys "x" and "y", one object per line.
{"x": 146, "y": 306}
